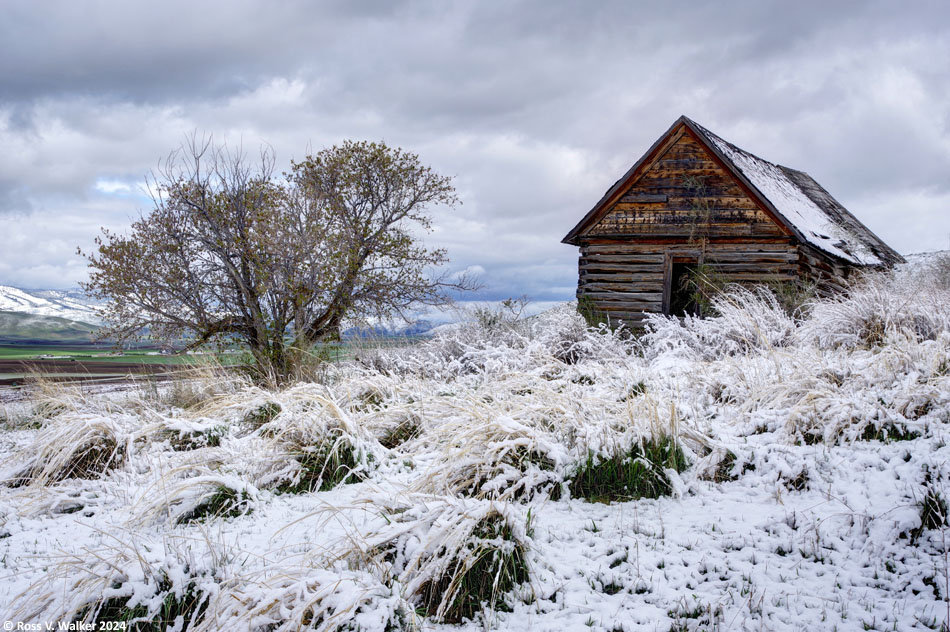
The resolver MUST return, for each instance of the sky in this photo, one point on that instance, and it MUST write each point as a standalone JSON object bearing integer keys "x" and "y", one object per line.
{"x": 534, "y": 108}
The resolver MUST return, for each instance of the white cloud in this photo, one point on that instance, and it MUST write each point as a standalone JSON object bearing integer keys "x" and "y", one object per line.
{"x": 112, "y": 187}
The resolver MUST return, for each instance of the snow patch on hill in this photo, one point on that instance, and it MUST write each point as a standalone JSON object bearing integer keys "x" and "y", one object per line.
{"x": 69, "y": 304}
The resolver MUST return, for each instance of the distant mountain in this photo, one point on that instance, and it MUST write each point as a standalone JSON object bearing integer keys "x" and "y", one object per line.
{"x": 16, "y": 327}
{"x": 71, "y": 305}
{"x": 417, "y": 328}
{"x": 69, "y": 315}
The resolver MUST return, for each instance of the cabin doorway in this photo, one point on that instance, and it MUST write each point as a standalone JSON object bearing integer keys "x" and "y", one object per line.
{"x": 680, "y": 287}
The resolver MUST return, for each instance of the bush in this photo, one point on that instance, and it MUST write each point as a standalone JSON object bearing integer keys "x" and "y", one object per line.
{"x": 263, "y": 414}
{"x": 500, "y": 459}
{"x": 934, "y": 512}
{"x": 506, "y": 316}
{"x": 638, "y": 472}
{"x": 908, "y": 302}
{"x": 725, "y": 470}
{"x": 328, "y": 447}
{"x": 489, "y": 344}
{"x": 204, "y": 495}
{"x": 404, "y": 431}
{"x": 331, "y": 462}
{"x": 453, "y": 556}
{"x": 313, "y": 598}
{"x": 197, "y": 386}
{"x": 794, "y": 297}
{"x": 490, "y": 565}
{"x": 184, "y": 439}
{"x": 72, "y": 446}
{"x": 178, "y": 609}
{"x": 888, "y": 432}
{"x": 162, "y": 584}
{"x": 747, "y": 320}
{"x": 588, "y": 310}
{"x": 224, "y": 501}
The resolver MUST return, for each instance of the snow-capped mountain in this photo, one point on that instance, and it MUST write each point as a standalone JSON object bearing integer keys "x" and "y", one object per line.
{"x": 71, "y": 304}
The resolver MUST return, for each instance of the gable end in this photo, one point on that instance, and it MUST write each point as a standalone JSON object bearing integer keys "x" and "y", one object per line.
{"x": 684, "y": 193}
{"x": 692, "y": 183}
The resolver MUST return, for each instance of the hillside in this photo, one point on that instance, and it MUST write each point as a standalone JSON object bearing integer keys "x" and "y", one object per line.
{"x": 68, "y": 304}
{"x": 758, "y": 470}
{"x": 16, "y": 327}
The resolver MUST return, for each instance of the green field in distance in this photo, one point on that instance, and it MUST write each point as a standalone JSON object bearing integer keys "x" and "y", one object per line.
{"x": 95, "y": 354}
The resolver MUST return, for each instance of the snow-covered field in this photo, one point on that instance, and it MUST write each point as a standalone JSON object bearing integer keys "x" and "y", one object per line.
{"x": 452, "y": 481}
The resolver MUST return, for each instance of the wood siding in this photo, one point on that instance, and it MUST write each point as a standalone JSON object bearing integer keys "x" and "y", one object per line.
{"x": 830, "y": 275}
{"x": 686, "y": 202}
{"x": 685, "y": 193}
{"x": 627, "y": 280}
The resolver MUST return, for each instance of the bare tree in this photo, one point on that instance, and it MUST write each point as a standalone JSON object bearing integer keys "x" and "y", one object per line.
{"x": 230, "y": 251}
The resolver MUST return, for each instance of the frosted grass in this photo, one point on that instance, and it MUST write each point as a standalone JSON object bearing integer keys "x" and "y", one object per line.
{"x": 814, "y": 443}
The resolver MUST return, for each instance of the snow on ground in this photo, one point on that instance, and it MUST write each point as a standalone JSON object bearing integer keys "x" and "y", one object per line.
{"x": 815, "y": 497}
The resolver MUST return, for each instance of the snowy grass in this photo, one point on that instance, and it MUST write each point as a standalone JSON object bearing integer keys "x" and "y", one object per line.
{"x": 453, "y": 557}
{"x": 637, "y": 472}
{"x": 77, "y": 445}
{"x": 757, "y": 470}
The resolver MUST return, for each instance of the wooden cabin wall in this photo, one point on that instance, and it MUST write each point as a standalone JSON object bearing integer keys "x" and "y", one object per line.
{"x": 830, "y": 275}
{"x": 684, "y": 204}
{"x": 626, "y": 280}
{"x": 685, "y": 193}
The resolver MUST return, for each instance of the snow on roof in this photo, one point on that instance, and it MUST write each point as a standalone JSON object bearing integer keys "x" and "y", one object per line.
{"x": 807, "y": 207}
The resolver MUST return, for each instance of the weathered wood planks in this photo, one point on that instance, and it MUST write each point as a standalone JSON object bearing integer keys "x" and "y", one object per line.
{"x": 683, "y": 192}
{"x": 681, "y": 205}
{"x": 627, "y": 280}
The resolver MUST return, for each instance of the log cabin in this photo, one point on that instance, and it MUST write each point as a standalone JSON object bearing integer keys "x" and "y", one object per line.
{"x": 695, "y": 202}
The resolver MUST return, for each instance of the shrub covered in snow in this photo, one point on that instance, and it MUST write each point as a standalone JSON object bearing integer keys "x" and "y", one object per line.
{"x": 747, "y": 320}
{"x": 452, "y": 556}
{"x": 911, "y": 303}
{"x": 559, "y": 336}
{"x": 73, "y": 445}
{"x": 164, "y": 585}
{"x": 307, "y": 598}
{"x": 639, "y": 471}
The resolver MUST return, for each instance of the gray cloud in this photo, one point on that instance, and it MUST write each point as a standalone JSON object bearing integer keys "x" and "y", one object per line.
{"x": 536, "y": 107}
{"x": 13, "y": 198}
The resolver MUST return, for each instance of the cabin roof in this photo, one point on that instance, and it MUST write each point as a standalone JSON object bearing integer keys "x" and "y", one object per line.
{"x": 792, "y": 197}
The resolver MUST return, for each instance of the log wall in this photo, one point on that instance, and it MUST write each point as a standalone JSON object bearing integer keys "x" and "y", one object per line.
{"x": 684, "y": 205}
{"x": 830, "y": 275}
{"x": 628, "y": 280}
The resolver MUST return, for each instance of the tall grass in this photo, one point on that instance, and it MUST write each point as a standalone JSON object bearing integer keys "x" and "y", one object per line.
{"x": 164, "y": 585}
{"x": 200, "y": 495}
{"x": 414, "y": 470}
{"x": 637, "y": 472}
{"x": 453, "y": 557}
{"x": 72, "y": 446}
{"x": 308, "y": 598}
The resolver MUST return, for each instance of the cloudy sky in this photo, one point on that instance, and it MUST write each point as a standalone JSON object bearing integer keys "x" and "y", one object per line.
{"x": 535, "y": 108}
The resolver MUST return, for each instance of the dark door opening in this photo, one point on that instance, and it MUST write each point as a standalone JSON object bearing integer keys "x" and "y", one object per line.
{"x": 683, "y": 288}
